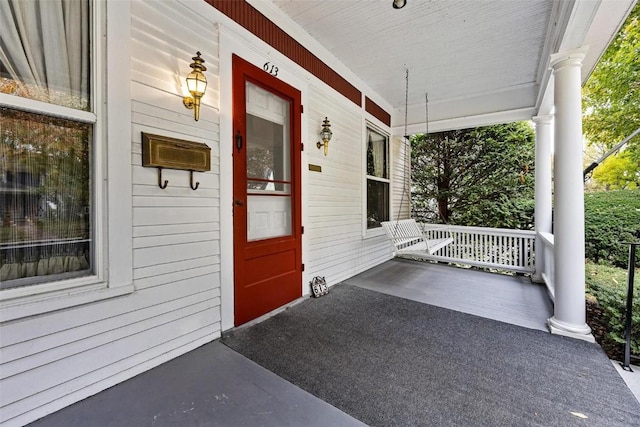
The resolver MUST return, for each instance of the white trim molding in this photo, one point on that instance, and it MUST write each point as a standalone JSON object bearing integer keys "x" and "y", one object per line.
{"x": 111, "y": 182}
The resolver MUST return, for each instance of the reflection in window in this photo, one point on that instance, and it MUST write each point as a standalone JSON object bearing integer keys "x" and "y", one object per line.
{"x": 268, "y": 148}
{"x": 50, "y": 66}
{"x": 46, "y": 231}
{"x": 266, "y": 158}
{"x": 376, "y": 155}
{"x": 44, "y": 197}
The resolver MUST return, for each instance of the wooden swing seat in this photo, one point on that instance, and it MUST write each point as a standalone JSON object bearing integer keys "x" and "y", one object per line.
{"x": 407, "y": 238}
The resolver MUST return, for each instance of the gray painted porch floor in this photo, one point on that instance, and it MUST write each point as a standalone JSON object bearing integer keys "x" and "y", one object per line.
{"x": 215, "y": 386}
{"x": 506, "y": 298}
{"x": 209, "y": 386}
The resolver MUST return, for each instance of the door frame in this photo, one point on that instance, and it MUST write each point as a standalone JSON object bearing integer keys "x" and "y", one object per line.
{"x": 243, "y": 72}
{"x": 258, "y": 53}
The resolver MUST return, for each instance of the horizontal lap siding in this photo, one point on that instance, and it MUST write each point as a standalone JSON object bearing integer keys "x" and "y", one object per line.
{"x": 176, "y": 232}
{"x": 400, "y": 178}
{"x": 52, "y": 360}
{"x": 334, "y": 215}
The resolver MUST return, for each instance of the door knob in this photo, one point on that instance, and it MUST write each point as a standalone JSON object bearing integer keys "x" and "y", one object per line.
{"x": 239, "y": 202}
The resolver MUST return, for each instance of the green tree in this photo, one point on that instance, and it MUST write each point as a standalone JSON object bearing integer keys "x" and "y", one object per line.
{"x": 611, "y": 96}
{"x": 618, "y": 172}
{"x": 475, "y": 177}
{"x": 610, "y": 219}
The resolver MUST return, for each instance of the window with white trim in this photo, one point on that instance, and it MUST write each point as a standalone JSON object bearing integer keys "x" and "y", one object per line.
{"x": 378, "y": 182}
{"x": 47, "y": 202}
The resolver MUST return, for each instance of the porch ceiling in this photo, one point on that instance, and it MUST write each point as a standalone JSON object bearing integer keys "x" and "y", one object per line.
{"x": 480, "y": 61}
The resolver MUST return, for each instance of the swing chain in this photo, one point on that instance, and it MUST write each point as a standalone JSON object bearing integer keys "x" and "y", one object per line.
{"x": 426, "y": 114}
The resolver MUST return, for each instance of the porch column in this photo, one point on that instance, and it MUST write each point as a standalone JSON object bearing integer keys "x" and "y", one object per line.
{"x": 543, "y": 207}
{"x": 569, "y": 317}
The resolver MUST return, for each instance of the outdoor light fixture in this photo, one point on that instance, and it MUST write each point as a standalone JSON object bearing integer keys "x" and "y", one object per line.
{"x": 197, "y": 85}
{"x": 399, "y": 4}
{"x": 326, "y": 136}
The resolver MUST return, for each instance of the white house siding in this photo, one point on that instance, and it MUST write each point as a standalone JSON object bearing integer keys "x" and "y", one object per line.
{"x": 401, "y": 178}
{"x": 54, "y": 359}
{"x": 336, "y": 245}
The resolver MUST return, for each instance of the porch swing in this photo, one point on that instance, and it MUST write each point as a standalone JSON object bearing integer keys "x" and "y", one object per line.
{"x": 405, "y": 234}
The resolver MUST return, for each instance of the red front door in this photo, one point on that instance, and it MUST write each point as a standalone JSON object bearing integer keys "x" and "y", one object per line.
{"x": 266, "y": 190}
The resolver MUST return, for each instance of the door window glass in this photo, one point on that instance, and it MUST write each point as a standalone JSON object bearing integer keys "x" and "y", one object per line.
{"x": 268, "y": 165}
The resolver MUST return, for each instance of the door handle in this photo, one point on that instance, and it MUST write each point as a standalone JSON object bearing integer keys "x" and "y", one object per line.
{"x": 239, "y": 202}
{"x": 238, "y": 141}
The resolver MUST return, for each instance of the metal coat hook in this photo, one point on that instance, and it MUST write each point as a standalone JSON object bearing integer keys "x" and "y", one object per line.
{"x": 191, "y": 182}
{"x": 160, "y": 184}
{"x": 163, "y": 152}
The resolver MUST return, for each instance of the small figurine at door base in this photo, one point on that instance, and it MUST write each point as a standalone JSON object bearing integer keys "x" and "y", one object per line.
{"x": 319, "y": 286}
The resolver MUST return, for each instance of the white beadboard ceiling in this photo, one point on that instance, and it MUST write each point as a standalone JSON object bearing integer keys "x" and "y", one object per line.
{"x": 476, "y": 58}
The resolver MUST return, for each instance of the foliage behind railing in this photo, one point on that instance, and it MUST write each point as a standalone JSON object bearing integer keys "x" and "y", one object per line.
{"x": 511, "y": 250}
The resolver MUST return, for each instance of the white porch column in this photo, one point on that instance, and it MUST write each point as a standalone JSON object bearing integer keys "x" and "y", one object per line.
{"x": 569, "y": 316}
{"x": 543, "y": 208}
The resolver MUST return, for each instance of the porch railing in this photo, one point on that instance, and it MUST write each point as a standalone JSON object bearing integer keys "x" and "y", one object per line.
{"x": 510, "y": 250}
{"x": 548, "y": 262}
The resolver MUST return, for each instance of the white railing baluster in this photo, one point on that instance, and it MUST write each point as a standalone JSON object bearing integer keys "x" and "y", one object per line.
{"x": 494, "y": 250}
{"x": 513, "y": 249}
{"x": 465, "y": 248}
{"x": 505, "y": 249}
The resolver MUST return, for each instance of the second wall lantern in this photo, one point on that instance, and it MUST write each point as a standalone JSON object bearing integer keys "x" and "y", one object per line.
{"x": 197, "y": 85}
{"x": 325, "y": 134}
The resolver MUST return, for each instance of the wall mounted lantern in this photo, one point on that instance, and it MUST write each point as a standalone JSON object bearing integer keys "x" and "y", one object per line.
{"x": 197, "y": 85}
{"x": 325, "y": 134}
{"x": 399, "y": 4}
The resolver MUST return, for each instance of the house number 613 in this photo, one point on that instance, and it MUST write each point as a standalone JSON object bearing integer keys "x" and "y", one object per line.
{"x": 270, "y": 68}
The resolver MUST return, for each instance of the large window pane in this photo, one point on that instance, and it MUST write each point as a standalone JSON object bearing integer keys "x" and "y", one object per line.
{"x": 377, "y": 155}
{"x": 45, "y": 213}
{"x": 377, "y": 178}
{"x": 267, "y": 150}
{"x": 44, "y": 51}
{"x": 377, "y": 203}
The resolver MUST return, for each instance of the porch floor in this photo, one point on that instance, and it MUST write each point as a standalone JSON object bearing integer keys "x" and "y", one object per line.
{"x": 509, "y": 299}
{"x": 215, "y": 386}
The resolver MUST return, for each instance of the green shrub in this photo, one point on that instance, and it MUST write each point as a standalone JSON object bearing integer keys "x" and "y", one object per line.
{"x": 609, "y": 287}
{"x": 611, "y": 218}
